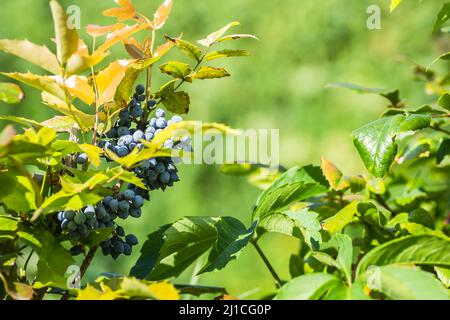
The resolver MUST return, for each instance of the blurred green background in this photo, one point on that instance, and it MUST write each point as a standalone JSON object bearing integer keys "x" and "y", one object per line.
{"x": 303, "y": 46}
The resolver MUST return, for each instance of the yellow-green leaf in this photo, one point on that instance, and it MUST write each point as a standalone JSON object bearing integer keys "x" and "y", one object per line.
{"x": 213, "y": 37}
{"x": 207, "y": 72}
{"x": 176, "y": 69}
{"x": 226, "y": 53}
{"x": 394, "y": 4}
{"x": 11, "y": 93}
{"x": 345, "y": 216}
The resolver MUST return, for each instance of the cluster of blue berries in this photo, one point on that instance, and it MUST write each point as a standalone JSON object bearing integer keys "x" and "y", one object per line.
{"x": 156, "y": 173}
{"x": 78, "y": 224}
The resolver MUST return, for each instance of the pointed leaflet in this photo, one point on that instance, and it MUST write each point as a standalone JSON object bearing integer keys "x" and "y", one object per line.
{"x": 213, "y": 37}
{"x": 98, "y": 31}
{"x": 345, "y": 216}
{"x": 405, "y": 283}
{"x": 176, "y": 69}
{"x": 376, "y": 144}
{"x": 38, "y": 55}
{"x": 187, "y": 48}
{"x": 226, "y": 53}
{"x": 423, "y": 249}
{"x": 78, "y": 86}
{"x": 66, "y": 38}
{"x": 237, "y": 36}
{"x": 125, "y": 11}
{"x": 310, "y": 286}
{"x": 10, "y": 93}
{"x": 59, "y": 123}
{"x": 331, "y": 173}
{"x": 82, "y": 60}
{"x": 343, "y": 244}
{"x": 232, "y": 238}
{"x": 294, "y": 185}
{"x": 161, "y": 15}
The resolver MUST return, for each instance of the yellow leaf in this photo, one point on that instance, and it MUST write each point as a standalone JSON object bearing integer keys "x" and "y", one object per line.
{"x": 82, "y": 60}
{"x": 331, "y": 173}
{"x": 79, "y": 87}
{"x": 120, "y": 35}
{"x": 125, "y": 11}
{"x": 93, "y": 153}
{"x": 91, "y": 293}
{"x": 98, "y": 31}
{"x": 38, "y": 55}
{"x": 109, "y": 79}
{"x": 161, "y": 15}
{"x": 164, "y": 291}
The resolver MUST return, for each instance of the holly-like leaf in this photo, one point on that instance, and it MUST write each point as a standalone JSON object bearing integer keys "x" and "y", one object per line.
{"x": 38, "y": 55}
{"x": 11, "y": 93}
{"x": 213, "y": 37}
{"x": 376, "y": 141}
{"x": 161, "y": 15}
{"x": 232, "y": 238}
{"x": 226, "y": 53}
{"x": 420, "y": 250}
{"x": 442, "y": 17}
{"x": 66, "y": 38}
{"x": 176, "y": 69}
{"x": 187, "y": 48}
{"x": 125, "y": 11}
{"x": 207, "y": 72}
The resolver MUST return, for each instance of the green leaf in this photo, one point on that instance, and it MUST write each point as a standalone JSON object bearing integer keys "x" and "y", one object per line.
{"x": 44, "y": 83}
{"x": 226, "y": 53}
{"x": 177, "y": 102}
{"x": 232, "y": 238}
{"x": 38, "y": 55}
{"x": 53, "y": 258}
{"x": 376, "y": 143}
{"x": 8, "y": 223}
{"x": 207, "y": 72}
{"x": 59, "y": 123}
{"x": 237, "y": 36}
{"x": 400, "y": 283}
{"x": 443, "y": 275}
{"x": 176, "y": 69}
{"x": 187, "y": 48}
{"x": 444, "y": 101}
{"x": 443, "y": 150}
{"x": 66, "y": 38}
{"x": 303, "y": 224}
{"x": 296, "y": 184}
{"x": 10, "y": 93}
{"x": 213, "y": 37}
{"x": 422, "y": 250}
{"x": 442, "y": 17}
{"x": 345, "y": 216}
{"x": 343, "y": 262}
{"x": 307, "y": 287}
{"x": 17, "y": 192}
{"x": 344, "y": 292}
{"x": 170, "y": 250}
{"x": 97, "y": 236}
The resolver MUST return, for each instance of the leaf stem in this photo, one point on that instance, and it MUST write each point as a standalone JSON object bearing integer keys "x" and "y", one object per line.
{"x": 272, "y": 271}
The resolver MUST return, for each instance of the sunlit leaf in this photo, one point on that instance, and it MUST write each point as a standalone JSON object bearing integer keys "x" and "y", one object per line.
{"x": 187, "y": 48}
{"x": 226, "y": 53}
{"x": 213, "y": 37}
{"x": 79, "y": 87}
{"x": 38, "y": 55}
{"x": 125, "y": 11}
{"x": 109, "y": 79}
{"x": 207, "y": 72}
{"x": 98, "y": 31}
{"x": 66, "y": 38}
{"x": 161, "y": 15}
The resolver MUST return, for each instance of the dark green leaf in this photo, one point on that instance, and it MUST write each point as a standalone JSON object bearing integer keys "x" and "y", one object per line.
{"x": 442, "y": 17}
{"x": 376, "y": 143}
{"x": 443, "y": 150}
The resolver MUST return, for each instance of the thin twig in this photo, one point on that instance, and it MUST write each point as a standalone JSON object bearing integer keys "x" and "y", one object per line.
{"x": 272, "y": 271}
